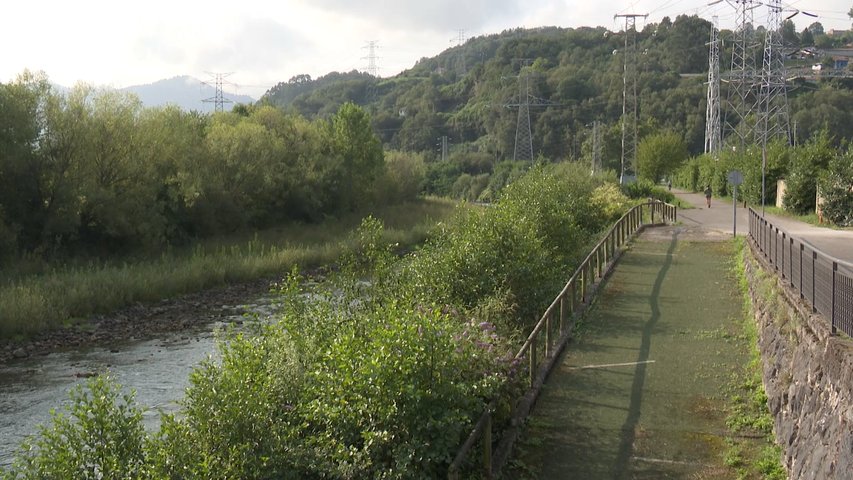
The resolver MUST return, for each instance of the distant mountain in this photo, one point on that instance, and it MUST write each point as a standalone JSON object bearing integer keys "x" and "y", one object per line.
{"x": 184, "y": 91}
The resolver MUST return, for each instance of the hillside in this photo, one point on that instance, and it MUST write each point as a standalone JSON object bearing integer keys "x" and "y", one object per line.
{"x": 184, "y": 91}
{"x": 466, "y": 92}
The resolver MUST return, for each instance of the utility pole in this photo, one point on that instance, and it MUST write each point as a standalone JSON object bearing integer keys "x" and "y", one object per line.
{"x": 218, "y": 99}
{"x": 460, "y": 41}
{"x": 740, "y": 102}
{"x": 596, "y": 147}
{"x": 629, "y": 98}
{"x": 443, "y": 147}
{"x": 713, "y": 133}
{"x": 372, "y": 67}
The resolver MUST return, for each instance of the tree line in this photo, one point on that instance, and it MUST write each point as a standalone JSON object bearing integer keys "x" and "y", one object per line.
{"x": 462, "y": 92}
{"x": 94, "y": 170}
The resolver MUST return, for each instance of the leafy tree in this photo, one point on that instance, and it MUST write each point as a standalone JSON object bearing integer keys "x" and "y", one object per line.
{"x": 816, "y": 29}
{"x": 659, "y": 155}
{"x": 829, "y": 108}
{"x": 360, "y": 155}
{"x": 789, "y": 34}
{"x": 806, "y": 38}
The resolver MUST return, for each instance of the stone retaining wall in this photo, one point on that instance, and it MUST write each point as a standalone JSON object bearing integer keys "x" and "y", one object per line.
{"x": 808, "y": 377}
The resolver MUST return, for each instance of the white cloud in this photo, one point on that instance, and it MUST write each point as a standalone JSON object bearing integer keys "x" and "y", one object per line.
{"x": 264, "y": 42}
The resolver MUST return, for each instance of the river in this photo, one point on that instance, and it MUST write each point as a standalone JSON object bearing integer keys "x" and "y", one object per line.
{"x": 156, "y": 368}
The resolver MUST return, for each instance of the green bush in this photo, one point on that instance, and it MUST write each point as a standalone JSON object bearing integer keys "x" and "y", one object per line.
{"x": 356, "y": 380}
{"x": 339, "y": 387}
{"x": 807, "y": 162}
{"x": 642, "y": 189}
{"x": 836, "y": 188}
{"x": 98, "y": 436}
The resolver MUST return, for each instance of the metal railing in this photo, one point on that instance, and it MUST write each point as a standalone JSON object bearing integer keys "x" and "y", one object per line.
{"x": 539, "y": 353}
{"x": 823, "y": 281}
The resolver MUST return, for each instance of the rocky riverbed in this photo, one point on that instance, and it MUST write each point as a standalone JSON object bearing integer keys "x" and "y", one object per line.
{"x": 140, "y": 321}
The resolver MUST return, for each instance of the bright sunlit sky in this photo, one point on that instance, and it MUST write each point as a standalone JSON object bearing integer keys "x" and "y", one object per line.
{"x": 122, "y": 43}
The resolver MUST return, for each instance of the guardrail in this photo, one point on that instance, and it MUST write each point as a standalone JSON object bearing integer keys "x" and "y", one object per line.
{"x": 823, "y": 281}
{"x": 539, "y": 353}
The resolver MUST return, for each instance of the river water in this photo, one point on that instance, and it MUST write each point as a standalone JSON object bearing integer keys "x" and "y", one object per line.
{"x": 156, "y": 368}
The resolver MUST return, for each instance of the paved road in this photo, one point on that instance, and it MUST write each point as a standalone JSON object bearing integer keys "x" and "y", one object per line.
{"x": 720, "y": 218}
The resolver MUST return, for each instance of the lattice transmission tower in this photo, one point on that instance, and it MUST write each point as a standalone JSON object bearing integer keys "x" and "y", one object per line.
{"x": 773, "y": 120}
{"x": 523, "y": 132}
{"x": 713, "y": 132}
{"x": 218, "y": 99}
{"x": 741, "y": 101}
{"x": 372, "y": 66}
{"x": 459, "y": 39}
{"x": 629, "y": 98}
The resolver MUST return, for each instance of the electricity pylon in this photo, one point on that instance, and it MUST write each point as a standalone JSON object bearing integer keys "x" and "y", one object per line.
{"x": 460, "y": 41}
{"x": 523, "y": 133}
{"x": 773, "y": 120}
{"x": 742, "y": 79}
{"x": 629, "y": 98}
{"x": 372, "y": 67}
{"x": 596, "y": 147}
{"x": 713, "y": 134}
{"x": 218, "y": 99}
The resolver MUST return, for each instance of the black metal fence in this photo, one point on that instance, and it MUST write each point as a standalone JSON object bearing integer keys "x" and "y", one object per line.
{"x": 823, "y": 281}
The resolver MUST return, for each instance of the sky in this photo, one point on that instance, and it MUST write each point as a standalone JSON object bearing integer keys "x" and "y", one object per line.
{"x": 262, "y": 42}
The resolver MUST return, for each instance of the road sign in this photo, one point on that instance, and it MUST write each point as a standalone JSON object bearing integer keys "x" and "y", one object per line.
{"x": 735, "y": 177}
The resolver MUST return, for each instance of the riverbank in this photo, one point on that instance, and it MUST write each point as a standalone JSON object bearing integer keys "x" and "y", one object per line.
{"x": 99, "y": 306}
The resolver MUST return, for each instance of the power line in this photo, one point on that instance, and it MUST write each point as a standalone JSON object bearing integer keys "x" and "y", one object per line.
{"x": 218, "y": 99}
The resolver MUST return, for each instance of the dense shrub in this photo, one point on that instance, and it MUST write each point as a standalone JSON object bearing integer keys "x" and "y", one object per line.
{"x": 836, "y": 188}
{"x": 99, "y": 435}
{"x": 642, "y": 189}
{"x": 807, "y": 162}
{"x": 356, "y": 380}
{"x": 405, "y": 175}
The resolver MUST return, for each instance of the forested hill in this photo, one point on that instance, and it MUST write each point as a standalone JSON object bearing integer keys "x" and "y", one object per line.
{"x": 462, "y": 92}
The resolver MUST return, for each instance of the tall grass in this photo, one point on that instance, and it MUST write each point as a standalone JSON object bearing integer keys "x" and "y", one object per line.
{"x": 36, "y": 302}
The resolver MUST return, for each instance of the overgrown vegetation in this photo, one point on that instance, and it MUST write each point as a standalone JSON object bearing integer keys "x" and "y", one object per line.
{"x": 358, "y": 380}
{"x": 815, "y": 166}
{"x": 460, "y": 93}
{"x": 752, "y": 449}
{"x": 94, "y": 173}
{"x": 40, "y": 296}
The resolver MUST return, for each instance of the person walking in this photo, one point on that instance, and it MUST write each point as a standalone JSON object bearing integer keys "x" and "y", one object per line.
{"x": 708, "y": 195}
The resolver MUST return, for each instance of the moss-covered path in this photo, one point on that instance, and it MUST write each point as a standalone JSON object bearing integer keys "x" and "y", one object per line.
{"x": 639, "y": 393}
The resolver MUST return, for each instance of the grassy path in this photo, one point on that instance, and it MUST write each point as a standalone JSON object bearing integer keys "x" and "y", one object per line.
{"x": 640, "y": 393}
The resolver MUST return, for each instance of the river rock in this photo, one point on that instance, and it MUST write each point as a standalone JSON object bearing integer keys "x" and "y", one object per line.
{"x": 20, "y": 353}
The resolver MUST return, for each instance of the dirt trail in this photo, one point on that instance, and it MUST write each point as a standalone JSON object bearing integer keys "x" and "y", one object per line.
{"x": 639, "y": 393}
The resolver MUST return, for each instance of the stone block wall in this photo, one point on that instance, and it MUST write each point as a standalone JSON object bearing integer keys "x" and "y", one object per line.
{"x": 808, "y": 377}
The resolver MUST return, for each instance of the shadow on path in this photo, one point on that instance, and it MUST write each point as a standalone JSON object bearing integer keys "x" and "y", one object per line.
{"x": 637, "y": 393}
{"x": 629, "y": 429}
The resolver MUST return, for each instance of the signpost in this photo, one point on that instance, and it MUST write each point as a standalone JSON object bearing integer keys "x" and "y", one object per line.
{"x": 735, "y": 178}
